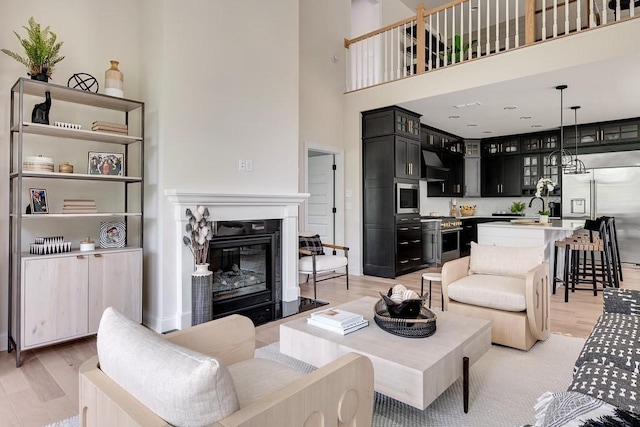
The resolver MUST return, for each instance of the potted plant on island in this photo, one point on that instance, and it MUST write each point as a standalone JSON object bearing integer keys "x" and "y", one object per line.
{"x": 517, "y": 208}
{"x": 548, "y": 185}
{"x": 41, "y": 51}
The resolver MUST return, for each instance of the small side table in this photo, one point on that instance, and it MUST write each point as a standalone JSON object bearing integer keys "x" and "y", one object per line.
{"x": 432, "y": 277}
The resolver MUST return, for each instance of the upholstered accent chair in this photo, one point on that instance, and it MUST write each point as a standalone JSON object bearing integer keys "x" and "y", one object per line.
{"x": 207, "y": 375}
{"x": 314, "y": 261}
{"x": 508, "y": 286}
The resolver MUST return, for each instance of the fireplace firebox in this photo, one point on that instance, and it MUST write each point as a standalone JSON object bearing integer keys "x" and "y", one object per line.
{"x": 245, "y": 260}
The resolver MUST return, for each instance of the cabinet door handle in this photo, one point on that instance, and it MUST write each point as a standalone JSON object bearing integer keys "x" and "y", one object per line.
{"x": 403, "y": 243}
{"x": 443, "y": 187}
{"x": 404, "y": 261}
{"x": 97, "y": 255}
{"x": 80, "y": 256}
{"x": 417, "y": 227}
{"x": 404, "y": 219}
{"x": 416, "y": 259}
{"x": 415, "y": 241}
{"x": 403, "y": 229}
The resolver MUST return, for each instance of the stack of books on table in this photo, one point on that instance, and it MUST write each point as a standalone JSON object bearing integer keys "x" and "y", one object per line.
{"x": 79, "y": 206}
{"x": 336, "y": 320}
{"x": 109, "y": 127}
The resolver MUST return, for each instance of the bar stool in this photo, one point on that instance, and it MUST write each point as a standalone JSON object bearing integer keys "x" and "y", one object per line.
{"x": 599, "y": 231}
{"x": 432, "y": 277}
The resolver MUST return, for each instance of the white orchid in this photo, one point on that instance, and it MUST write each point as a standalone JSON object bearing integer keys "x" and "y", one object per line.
{"x": 540, "y": 186}
{"x": 199, "y": 233}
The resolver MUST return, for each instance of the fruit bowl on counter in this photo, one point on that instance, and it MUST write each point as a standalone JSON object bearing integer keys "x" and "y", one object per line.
{"x": 467, "y": 210}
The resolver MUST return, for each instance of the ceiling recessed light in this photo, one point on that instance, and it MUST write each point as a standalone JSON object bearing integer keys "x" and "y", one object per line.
{"x": 472, "y": 125}
{"x": 525, "y": 117}
{"x": 468, "y": 104}
{"x": 454, "y": 117}
{"x": 510, "y": 107}
{"x": 536, "y": 126}
{"x": 487, "y": 131}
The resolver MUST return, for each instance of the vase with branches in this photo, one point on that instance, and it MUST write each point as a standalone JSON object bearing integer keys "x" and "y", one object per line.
{"x": 41, "y": 48}
{"x": 199, "y": 232}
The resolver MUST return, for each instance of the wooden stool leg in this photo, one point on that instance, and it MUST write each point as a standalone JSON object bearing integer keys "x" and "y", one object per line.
{"x": 567, "y": 265}
{"x": 429, "y": 293}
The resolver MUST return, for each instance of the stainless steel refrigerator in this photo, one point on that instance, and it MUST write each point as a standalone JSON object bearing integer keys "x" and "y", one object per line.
{"x": 609, "y": 188}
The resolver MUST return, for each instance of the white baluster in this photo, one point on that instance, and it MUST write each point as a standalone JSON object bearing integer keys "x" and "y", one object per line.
{"x": 470, "y": 32}
{"x": 488, "y": 48}
{"x": 506, "y": 25}
{"x": 429, "y": 59}
{"x": 446, "y": 39}
{"x": 566, "y": 16}
{"x": 497, "y": 47}
{"x": 479, "y": 31}
{"x": 453, "y": 35}
{"x": 592, "y": 18}
{"x": 439, "y": 39}
{"x": 618, "y": 9}
{"x": 578, "y": 17}
{"x": 544, "y": 19}
{"x": 603, "y": 13}
{"x": 555, "y": 18}
{"x": 632, "y": 9}
{"x": 404, "y": 56}
{"x": 517, "y": 16}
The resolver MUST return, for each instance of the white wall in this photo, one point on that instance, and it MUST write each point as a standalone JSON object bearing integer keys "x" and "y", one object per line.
{"x": 89, "y": 44}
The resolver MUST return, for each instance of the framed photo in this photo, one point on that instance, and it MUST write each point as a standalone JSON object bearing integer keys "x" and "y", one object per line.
{"x": 105, "y": 163}
{"x": 38, "y": 201}
{"x": 113, "y": 234}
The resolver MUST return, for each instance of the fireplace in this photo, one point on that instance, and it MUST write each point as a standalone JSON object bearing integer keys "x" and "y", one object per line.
{"x": 245, "y": 258}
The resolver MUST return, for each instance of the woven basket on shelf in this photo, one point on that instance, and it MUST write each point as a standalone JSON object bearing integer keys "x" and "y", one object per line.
{"x": 423, "y": 326}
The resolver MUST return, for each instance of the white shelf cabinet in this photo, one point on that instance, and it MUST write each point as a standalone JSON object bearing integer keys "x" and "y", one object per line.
{"x": 54, "y": 298}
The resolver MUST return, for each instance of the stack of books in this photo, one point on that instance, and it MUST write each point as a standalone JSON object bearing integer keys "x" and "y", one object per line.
{"x": 109, "y": 127}
{"x": 79, "y": 206}
{"x": 339, "y": 321}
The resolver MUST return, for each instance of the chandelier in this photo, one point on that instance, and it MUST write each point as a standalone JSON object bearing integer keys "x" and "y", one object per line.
{"x": 569, "y": 163}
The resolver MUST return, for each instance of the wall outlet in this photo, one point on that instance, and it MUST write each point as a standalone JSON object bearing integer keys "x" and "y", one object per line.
{"x": 242, "y": 165}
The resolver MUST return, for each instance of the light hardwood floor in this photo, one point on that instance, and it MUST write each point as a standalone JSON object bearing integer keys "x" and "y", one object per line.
{"x": 45, "y": 388}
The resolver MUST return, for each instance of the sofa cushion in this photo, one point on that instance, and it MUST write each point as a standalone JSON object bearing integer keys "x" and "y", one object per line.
{"x": 625, "y": 301}
{"x": 256, "y": 378}
{"x": 614, "y": 341}
{"x": 498, "y": 292}
{"x": 323, "y": 263}
{"x": 310, "y": 243}
{"x": 181, "y": 386}
{"x": 504, "y": 260}
{"x": 613, "y": 385}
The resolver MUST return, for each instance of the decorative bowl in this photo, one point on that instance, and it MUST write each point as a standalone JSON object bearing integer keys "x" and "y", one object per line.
{"x": 421, "y": 327}
{"x": 468, "y": 210}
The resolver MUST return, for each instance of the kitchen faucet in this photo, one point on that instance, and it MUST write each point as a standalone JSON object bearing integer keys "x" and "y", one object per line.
{"x": 541, "y": 199}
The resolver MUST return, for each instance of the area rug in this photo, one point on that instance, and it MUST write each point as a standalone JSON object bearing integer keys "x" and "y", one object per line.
{"x": 504, "y": 386}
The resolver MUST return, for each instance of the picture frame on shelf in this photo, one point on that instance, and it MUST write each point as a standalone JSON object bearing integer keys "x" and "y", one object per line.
{"x": 102, "y": 163}
{"x": 38, "y": 201}
{"x": 113, "y": 234}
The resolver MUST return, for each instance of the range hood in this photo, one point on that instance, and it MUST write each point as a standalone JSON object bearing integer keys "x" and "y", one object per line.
{"x": 434, "y": 170}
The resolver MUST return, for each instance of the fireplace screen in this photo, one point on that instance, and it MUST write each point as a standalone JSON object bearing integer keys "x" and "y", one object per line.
{"x": 239, "y": 271}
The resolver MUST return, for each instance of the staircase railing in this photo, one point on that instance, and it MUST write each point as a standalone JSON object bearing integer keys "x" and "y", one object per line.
{"x": 463, "y": 30}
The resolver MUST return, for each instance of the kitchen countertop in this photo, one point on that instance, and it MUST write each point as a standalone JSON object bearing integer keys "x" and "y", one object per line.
{"x": 556, "y": 224}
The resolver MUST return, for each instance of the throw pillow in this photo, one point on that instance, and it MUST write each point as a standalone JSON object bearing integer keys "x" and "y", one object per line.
{"x": 311, "y": 243}
{"x": 182, "y": 386}
{"x": 504, "y": 260}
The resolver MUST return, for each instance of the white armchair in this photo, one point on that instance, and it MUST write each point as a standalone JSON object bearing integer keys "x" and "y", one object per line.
{"x": 314, "y": 261}
{"x": 508, "y": 286}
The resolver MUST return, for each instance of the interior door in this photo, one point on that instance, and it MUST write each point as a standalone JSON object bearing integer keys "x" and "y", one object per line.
{"x": 321, "y": 200}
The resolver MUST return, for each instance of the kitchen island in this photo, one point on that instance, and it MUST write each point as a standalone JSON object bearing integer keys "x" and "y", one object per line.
{"x": 507, "y": 233}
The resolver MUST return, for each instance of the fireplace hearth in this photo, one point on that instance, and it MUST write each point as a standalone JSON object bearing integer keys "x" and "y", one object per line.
{"x": 245, "y": 258}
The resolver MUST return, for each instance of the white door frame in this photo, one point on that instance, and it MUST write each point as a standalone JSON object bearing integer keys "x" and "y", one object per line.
{"x": 339, "y": 191}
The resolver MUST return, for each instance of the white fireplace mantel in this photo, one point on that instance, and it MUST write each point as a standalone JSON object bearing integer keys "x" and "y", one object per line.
{"x": 238, "y": 207}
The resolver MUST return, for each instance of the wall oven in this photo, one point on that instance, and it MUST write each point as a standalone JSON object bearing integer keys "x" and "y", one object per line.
{"x": 407, "y": 198}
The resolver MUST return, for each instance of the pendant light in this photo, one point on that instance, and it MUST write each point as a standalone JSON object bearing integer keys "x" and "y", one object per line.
{"x": 577, "y": 166}
{"x": 566, "y": 158}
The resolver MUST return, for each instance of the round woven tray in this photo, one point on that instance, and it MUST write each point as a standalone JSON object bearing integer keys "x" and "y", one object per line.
{"x": 422, "y": 327}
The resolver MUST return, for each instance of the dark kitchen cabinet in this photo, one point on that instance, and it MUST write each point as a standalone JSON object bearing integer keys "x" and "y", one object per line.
{"x": 392, "y": 243}
{"x": 447, "y": 181}
{"x": 407, "y": 158}
{"x": 499, "y": 147}
{"x": 539, "y": 165}
{"x": 469, "y": 233}
{"x": 607, "y": 133}
{"x": 501, "y": 176}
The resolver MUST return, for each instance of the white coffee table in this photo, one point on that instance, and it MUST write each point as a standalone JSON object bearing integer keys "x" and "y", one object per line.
{"x": 412, "y": 370}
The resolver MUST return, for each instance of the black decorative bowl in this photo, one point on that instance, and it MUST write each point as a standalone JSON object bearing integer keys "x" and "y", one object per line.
{"x": 421, "y": 327}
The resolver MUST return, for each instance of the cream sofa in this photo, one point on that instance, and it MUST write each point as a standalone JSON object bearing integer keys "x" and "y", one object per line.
{"x": 508, "y": 286}
{"x": 207, "y": 375}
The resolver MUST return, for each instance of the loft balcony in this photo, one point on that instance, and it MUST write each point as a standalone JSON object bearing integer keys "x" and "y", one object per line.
{"x": 462, "y": 31}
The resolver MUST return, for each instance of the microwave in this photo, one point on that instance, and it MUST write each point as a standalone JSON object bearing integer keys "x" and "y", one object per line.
{"x": 407, "y": 198}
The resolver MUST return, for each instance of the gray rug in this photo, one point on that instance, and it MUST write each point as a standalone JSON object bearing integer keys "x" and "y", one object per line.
{"x": 504, "y": 386}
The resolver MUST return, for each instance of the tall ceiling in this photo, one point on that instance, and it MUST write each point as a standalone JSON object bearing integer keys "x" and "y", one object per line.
{"x": 605, "y": 90}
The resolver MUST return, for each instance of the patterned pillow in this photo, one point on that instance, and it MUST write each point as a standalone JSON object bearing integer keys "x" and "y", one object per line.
{"x": 615, "y": 386}
{"x": 311, "y": 243}
{"x": 625, "y": 301}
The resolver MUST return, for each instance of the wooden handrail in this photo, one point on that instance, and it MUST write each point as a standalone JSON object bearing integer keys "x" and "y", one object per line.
{"x": 445, "y": 6}
{"x": 348, "y": 42}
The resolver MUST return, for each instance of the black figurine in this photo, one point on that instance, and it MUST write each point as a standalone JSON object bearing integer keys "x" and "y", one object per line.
{"x": 40, "y": 112}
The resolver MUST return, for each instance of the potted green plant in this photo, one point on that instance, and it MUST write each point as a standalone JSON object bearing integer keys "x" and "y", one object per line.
{"x": 456, "y": 50}
{"x": 41, "y": 51}
{"x": 517, "y": 208}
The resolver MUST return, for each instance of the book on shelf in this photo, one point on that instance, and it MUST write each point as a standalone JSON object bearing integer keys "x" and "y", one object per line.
{"x": 337, "y": 329}
{"x": 109, "y": 129}
{"x": 109, "y": 124}
{"x": 337, "y": 317}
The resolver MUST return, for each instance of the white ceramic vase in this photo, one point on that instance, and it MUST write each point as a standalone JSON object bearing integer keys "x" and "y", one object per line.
{"x": 544, "y": 219}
